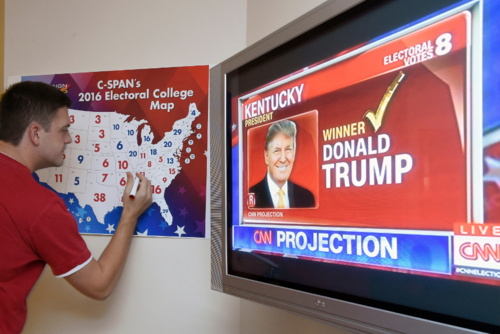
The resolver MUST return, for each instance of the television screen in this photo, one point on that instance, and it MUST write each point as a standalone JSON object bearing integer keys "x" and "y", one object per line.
{"x": 363, "y": 162}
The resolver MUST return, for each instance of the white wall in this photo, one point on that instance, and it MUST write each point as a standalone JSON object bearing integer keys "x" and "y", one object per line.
{"x": 266, "y": 16}
{"x": 165, "y": 286}
{"x": 61, "y": 36}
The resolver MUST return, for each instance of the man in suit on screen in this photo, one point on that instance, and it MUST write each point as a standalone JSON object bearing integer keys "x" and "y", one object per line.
{"x": 276, "y": 190}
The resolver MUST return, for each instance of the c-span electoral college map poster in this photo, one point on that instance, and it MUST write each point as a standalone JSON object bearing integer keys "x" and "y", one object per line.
{"x": 151, "y": 121}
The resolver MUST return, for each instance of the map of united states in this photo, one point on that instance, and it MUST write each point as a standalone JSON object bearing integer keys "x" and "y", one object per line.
{"x": 106, "y": 145}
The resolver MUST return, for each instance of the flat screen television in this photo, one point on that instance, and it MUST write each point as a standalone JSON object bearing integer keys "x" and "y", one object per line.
{"x": 355, "y": 167}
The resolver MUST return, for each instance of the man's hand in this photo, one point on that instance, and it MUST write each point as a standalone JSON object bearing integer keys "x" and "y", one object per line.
{"x": 133, "y": 208}
{"x": 98, "y": 278}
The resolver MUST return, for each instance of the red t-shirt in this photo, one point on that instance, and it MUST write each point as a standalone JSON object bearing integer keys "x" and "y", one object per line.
{"x": 35, "y": 228}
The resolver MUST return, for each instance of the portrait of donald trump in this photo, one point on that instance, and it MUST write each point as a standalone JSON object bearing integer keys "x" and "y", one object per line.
{"x": 276, "y": 190}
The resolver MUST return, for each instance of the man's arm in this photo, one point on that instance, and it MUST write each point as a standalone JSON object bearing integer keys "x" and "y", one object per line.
{"x": 98, "y": 278}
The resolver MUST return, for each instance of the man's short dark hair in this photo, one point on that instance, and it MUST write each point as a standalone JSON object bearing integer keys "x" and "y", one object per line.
{"x": 27, "y": 102}
{"x": 286, "y": 127}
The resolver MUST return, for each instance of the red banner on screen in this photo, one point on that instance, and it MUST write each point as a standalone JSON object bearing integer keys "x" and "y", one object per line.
{"x": 380, "y": 137}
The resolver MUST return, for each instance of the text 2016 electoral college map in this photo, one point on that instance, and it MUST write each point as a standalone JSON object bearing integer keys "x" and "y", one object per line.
{"x": 151, "y": 121}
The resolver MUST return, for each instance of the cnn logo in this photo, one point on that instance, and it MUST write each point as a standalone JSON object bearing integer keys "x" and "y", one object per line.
{"x": 263, "y": 237}
{"x": 474, "y": 251}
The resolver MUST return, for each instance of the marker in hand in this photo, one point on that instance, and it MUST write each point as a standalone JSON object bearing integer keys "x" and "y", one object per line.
{"x": 134, "y": 188}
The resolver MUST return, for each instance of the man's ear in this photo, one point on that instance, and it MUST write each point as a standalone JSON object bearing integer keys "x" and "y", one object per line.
{"x": 34, "y": 133}
{"x": 266, "y": 158}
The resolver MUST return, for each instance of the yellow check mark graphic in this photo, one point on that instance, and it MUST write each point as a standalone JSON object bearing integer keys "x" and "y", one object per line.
{"x": 376, "y": 118}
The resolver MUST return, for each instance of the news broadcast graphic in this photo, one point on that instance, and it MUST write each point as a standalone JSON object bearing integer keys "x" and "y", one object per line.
{"x": 296, "y": 162}
{"x": 477, "y": 246}
{"x": 397, "y": 249}
{"x": 390, "y": 170}
{"x": 151, "y": 121}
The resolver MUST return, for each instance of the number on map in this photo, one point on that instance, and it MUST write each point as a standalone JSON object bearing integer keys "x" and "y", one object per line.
{"x": 100, "y": 197}
{"x": 123, "y": 164}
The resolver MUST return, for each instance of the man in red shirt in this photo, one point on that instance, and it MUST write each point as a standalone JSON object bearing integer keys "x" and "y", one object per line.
{"x": 35, "y": 225}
